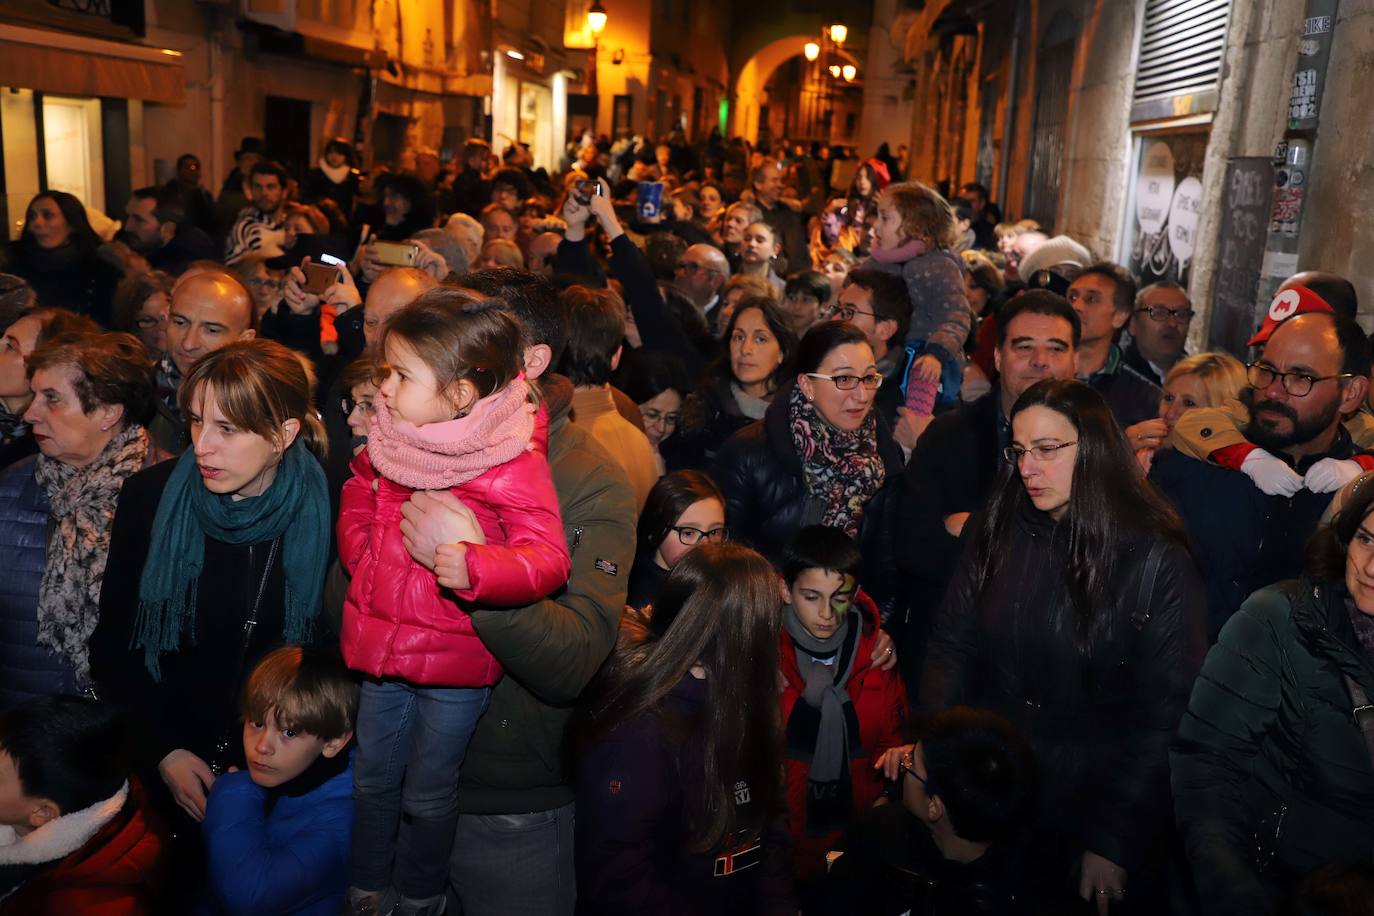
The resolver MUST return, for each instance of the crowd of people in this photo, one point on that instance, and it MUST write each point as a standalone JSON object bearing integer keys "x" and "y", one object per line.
{"x": 699, "y": 529}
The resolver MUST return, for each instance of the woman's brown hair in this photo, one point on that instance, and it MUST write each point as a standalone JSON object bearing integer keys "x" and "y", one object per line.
{"x": 108, "y": 368}
{"x": 720, "y": 609}
{"x": 258, "y": 385}
{"x": 460, "y": 338}
{"x": 925, "y": 214}
{"x": 136, "y": 289}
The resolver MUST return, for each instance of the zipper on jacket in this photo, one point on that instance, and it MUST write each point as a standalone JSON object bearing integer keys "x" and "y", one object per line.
{"x": 576, "y": 538}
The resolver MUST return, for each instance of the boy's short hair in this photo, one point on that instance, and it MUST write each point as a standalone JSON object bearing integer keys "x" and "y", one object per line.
{"x": 924, "y": 213}
{"x": 982, "y": 770}
{"x": 596, "y": 329}
{"x": 310, "y": 689}
{"x": 65, "y": 749}
{"x": 811, "y": 283}
{"x": 891, "y": 302}
{"x": 820, "y": 547}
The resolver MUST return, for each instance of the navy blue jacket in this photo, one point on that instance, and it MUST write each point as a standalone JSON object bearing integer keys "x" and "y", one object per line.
{"x": 283, "y": 850}
{"x": 26, "y": 668}
{"x": 630, "y": 828}
{"x": 1243, "y": 539}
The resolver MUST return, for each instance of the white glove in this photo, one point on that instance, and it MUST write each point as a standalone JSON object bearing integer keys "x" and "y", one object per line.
{"x": 1330, "y": 474}
{"x": 1271, "y": 475}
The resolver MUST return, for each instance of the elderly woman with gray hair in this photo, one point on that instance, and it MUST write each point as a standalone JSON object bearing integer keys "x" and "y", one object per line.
{"x": 93, "y": 393}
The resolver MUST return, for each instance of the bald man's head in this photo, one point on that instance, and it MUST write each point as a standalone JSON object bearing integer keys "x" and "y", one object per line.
{"x": 209, "y": 309}
{"x": 393, "y": 290}
{"x": 700, "y": 273}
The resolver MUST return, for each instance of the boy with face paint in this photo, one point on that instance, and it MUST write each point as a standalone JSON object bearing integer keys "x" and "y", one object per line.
{"x": 842, "y": 712}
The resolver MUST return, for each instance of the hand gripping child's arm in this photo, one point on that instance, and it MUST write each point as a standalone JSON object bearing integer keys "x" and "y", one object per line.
{"x": 533, "y": 562}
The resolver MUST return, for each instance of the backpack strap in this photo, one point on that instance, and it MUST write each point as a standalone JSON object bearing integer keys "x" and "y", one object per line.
{"x": 1363, "y": 712}
{"x": 1148, "y": 577}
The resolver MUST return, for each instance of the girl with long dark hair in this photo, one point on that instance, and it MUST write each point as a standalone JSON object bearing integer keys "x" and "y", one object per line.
{"x": 1078, "y": 613}
{"x": 679, "y": 751}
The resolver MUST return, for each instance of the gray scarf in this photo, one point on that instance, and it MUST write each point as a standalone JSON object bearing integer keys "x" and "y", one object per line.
{"x": 825, "y": 690}
{"x": 81, "y": 505}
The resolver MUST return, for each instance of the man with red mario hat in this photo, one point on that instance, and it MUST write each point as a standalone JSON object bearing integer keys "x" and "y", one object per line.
{"x": 1277, "y": 456}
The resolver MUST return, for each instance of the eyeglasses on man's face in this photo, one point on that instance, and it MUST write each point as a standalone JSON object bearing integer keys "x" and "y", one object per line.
{"x": 1297, "y": 384}
{"x": 691, "y": 537}
{"x": 847, "y": 313}
{"x": 1014, "y": 453}
{"x": 1161, "y": 314}
{"x": 691, "y": 267}
{"x": 872, "y": 381}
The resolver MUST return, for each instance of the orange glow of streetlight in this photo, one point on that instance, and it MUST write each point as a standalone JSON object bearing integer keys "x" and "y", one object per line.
{"x": 838, "y": 33}
{"x": 849, "y": 71}
{"x": 811, "y": 50}
{"x": 835, "y": 70}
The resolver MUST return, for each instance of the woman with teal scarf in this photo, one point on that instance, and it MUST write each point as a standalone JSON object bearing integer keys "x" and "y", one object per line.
{"x": 215, "y": 559}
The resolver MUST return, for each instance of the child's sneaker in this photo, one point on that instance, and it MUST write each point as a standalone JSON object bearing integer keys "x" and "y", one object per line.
{"x": 358, "y": 902}
{"x": 429, "y": 906}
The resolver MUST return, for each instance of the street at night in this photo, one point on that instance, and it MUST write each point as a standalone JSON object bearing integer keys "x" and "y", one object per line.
{"x": 622, "y": 457}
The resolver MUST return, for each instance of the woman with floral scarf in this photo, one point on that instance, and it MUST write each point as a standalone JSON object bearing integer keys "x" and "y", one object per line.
{"x": 820, "y": 456}
{"x": 93, "y": 393}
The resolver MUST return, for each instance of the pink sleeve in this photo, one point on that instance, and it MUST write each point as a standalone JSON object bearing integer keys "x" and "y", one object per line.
{"x": 534, "y": 561}
{"x": 357, "y": 506}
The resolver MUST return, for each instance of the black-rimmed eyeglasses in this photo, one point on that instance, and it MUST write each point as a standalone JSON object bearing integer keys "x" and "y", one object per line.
{"x": 691, "y": 537}
{"x": 1298, "y": 384}
{"x": 1161, "y": 314}
{"x": 872, "y": 382}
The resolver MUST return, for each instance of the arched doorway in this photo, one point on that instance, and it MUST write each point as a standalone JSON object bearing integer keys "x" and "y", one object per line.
{"x": 749, "y": 94}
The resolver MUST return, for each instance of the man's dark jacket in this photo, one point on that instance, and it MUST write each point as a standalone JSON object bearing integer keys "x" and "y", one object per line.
{"x": 1244, "y": 539}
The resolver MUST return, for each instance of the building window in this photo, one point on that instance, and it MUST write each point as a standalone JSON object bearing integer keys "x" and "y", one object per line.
{"x": 1181, "y": 51}
{"x": 622, "y": 115}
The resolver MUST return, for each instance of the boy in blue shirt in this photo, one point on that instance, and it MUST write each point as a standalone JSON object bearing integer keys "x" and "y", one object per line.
{"x": 278, "y": 835}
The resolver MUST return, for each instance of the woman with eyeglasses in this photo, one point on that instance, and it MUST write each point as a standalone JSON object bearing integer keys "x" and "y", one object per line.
{"x": 658, "y": 384}
{"x": 1077, "y": 612}
{"x": 141, "y": 302}
{"x": 684, "y": 510}
{"x": 820, "y": 456}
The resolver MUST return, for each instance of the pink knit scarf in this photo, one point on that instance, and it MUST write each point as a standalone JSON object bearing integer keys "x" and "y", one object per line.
{"x": 912, "y": 249}
{"x": 438, "y": 456}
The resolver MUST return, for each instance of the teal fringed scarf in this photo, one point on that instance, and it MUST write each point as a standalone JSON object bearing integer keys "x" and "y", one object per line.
{"x": 294, "y": 507}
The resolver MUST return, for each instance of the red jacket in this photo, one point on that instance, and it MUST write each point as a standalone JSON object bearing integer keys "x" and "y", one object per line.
{"x": 880, "y": 706}
{"x": 397, "y": 621}
{"x": 116, "y": 873}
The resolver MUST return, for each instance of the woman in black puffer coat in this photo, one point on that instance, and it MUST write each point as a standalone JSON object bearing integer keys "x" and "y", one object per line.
{"x": 1272, "y": 775}
{"x": 820, "y": 455}
{"x": 1079, "y": 615}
